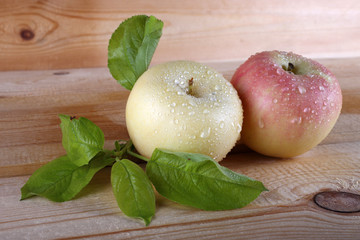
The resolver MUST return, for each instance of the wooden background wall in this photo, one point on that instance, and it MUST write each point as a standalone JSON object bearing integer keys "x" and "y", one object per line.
{"x": 74, "y": 34}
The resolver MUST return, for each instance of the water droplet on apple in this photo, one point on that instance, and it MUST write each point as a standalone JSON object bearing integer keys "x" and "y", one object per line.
{"x": 275, "y": 100}
{"x": 321, "y": 88}
{"x": 156, "y": 131}
{"x": 205, "y": 133}
{"x": 306, "y": 110}
{"x": 193, "y": 137}
{"x": 222, "y": 124}
{"x": 206, "y": 111}
{"x": 172, "y": 110}
{"x": 173, "y": 104}
{"x": 297, "y": 120}
{"x": 261, "y": 123}
{"x": 285, "y": 89}
{"x": 239, "y": 128}
{"x": 176, "y": 121}
{"x": 279, "y": 71}
{"x": 191, "y": 113}
{"x": 301, "y": 89}
{"x": 332, "y": 104}
{"x": 217, "y": 87}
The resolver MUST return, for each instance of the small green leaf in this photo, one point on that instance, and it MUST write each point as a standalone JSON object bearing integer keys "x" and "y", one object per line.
{"x": 133, "y": 190}
{"x": 197, "y": 180}
{"x": 60, "y": 180}
{"x": 131, "y": 48}
{"x": 82, "y": 139}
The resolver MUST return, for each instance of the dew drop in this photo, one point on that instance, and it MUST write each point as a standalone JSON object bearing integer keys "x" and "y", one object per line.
{"x": 321, "y": 88}
{"x": 173, "y": 104}
{"x": 222, "y": 124}
{"x": 301, "y": 89}
{"x": 285, "y": 89}
{"x": 261, "y": 123}
{"x": 306, "y": 110}
{"x": 205, "y": 133}
{"x": 176, "y": 121}
{"x": 275, "y": 100}
{"x": 239, "y": 128}
{"x": 278, "y": 71}
{"x": 297, "y": 120}
{"x": 156, "y": 131}
{"x": 191, "y": 113}
{"x": 206, "y": 111}
{"x": 217, "y": 87}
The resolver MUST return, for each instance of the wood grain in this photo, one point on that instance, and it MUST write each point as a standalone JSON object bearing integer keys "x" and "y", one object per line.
{"x": 287, "y": 211}
{"x": 74, "y": 34}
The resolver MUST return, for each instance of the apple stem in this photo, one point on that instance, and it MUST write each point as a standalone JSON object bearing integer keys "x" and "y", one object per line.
{"x": 190, "y": 89}
{"x": 291, "y": 67}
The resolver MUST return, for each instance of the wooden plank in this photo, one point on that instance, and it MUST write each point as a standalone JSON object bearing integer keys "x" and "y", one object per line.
{"x": 30, "y": 102}
{"x": 74, "y": 34}
{"x": 287, "y": 211}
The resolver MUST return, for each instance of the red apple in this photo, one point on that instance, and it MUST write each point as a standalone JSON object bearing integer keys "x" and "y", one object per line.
{"x": 290, "y": 102}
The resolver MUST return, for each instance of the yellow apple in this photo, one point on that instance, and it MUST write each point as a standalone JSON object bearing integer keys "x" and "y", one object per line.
{"x": 184, "y": 106}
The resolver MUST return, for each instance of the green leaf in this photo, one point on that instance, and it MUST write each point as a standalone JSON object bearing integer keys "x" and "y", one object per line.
{"x": 60, "y": 180}
{"x": 82, "y": 139}
{"x": 197, "y": 180}
{"x": 131, "y": 48}
{"x": 133, "y": 190}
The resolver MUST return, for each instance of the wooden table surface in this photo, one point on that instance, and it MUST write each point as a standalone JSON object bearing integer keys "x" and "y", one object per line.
{"x": 30, "y": 136}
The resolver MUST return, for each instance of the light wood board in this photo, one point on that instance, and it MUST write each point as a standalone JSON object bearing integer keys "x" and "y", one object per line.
{"x": 74, "y": 34}
{"x": 30, "y": 136}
